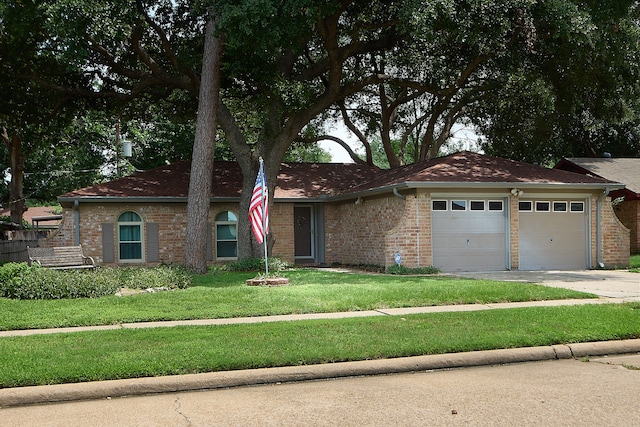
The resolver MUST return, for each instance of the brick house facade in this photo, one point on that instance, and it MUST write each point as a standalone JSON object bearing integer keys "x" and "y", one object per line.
{"x": 354, "y": 214}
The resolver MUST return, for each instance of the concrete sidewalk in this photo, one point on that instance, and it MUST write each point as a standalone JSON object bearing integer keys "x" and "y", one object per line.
{"x": 315, "y": 316}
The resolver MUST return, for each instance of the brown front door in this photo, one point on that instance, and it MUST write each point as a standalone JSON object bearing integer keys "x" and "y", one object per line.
{"x": 303, "y": 231}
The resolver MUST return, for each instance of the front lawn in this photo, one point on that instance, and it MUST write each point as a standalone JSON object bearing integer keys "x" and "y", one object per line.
{"x": 220, "y": 294}
{"x": 634, "y": 263}
{"x": 93, "y": 356}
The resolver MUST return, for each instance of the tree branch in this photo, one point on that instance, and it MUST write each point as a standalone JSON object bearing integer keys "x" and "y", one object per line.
{"x": 337, "y": 140}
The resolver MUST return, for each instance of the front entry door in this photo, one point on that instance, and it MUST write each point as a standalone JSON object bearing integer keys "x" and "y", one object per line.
{"x": 303, "y": 231}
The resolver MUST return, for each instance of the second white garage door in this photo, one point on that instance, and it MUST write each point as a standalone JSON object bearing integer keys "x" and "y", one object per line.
{"x": 469, "y": 234}
{"x": 553, "y": 234}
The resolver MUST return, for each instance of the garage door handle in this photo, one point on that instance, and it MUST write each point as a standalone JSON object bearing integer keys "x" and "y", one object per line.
{"x": 467, "y": 242}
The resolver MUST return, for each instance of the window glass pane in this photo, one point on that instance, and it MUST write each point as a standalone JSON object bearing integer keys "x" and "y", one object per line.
{"x": 226, "y": 235}
{"x": 129, "y": 217}
{"x": 477, "y": 205}
{"x": 543, "y": 206}
{"x": 226, "y": 249}
{"x": 130, "y": 233}
{"x": 439, "y": 205}
{"x": 559, "y": 206}
{"x": 130, "y": 251}
{"x": 495, "y": 205}
{"x": 525, "y": 206}
{"x": 226, "y": 217}
{"x": 577, "y": 206}
{"x": 458, "y": 205}
{"x": 226, "y": 232}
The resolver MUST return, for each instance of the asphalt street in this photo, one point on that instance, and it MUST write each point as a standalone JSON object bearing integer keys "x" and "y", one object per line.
{"x": 571, "y": 392}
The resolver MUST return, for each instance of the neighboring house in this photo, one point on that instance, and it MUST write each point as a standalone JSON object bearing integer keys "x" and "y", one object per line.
{"x": 462, "y": 212}
{"x": 40, "y": 218}
{"x": 624, "y": 170}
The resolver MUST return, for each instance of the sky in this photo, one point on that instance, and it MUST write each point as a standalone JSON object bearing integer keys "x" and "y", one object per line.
{"x": 463, "y": 137}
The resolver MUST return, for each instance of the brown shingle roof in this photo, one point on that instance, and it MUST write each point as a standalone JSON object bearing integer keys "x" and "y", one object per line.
{"x": 312, "y": 180}
{"x": 625, "y": 170}
{"x": 466, "y": 167}
{"x": 295, "y": 180}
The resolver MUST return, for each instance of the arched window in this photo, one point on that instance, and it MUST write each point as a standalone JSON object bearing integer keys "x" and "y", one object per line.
{"x": 130, "y": 229}
{"x": 226, "y": 235}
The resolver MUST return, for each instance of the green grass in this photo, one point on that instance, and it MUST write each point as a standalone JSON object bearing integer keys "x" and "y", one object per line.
{"x": 91, "y": 356}
{"x": 634, "y": 263}
{"x": 225, "y": 295}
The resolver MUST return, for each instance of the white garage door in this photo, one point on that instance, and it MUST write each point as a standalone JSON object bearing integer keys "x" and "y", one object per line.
{"x": 469, "y": 234}
{"x": 553, "y": 234}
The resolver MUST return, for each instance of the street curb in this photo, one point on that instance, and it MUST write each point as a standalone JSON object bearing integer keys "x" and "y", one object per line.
{"x": 22, "y": 396}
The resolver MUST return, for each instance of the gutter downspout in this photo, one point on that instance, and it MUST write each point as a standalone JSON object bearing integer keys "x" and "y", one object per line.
{"x": 402, "y": 197}
{"x": 76, "y": 218}
{"x": 398, "y": 195}
{"x": 604, "y": 194}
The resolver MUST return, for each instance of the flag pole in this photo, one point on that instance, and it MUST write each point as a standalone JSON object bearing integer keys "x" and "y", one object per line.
{"x": 264, "y": 217}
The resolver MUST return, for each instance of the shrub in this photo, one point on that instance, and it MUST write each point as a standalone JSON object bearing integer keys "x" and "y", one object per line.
{"x": 402, "y": 270}
{"x": 156, "y": 277}
{"x": 42, "y": 283}
{"x": 256, "y": 264}
{"x": 12, "y": 269}
{"x": 24, "y": 282}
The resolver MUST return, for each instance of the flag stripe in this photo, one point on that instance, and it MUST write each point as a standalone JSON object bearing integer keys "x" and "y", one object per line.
{"x": 259, "y": 207}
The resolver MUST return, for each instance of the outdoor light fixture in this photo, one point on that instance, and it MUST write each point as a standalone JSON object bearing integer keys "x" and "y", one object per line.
{"x": 516, "y": 192}
{"x": 358, "y": 200}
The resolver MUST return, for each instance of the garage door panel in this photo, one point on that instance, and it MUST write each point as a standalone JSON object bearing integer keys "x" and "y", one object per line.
{"x": 469, "y": 240}
{"x": 553, "y": 240}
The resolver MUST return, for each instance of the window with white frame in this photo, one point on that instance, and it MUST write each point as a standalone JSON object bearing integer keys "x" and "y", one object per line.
{"x": 476, "y": 205}
{"x": 458, "y": 205}
{"x": 226, "y": 235}
{"x": 439, "y": 205}
{"x": 559, "y": 206}
{"x": 130, "y": 237}
{"x": 543, "y": 206}
{"x": 525, "y": 206}
{"x": 577, "y": 207}
{"x": 496, "y": 205}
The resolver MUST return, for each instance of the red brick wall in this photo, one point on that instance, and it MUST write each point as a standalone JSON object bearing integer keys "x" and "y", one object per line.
{"x": 629, "y": 215}
{"x": 411, "y": 236}
{"x": 514, "y": 230}
{"x": 356, "y": 233}
{"x": 614, "y": 237}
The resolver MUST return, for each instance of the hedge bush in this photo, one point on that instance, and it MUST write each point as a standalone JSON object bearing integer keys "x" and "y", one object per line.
{"x": 256, "y": 264}
{"x": 20, "y": 281}
{"x": 42, "y": 283}
{"x": 402, "y": 270}
{"x": 154, "y": 277}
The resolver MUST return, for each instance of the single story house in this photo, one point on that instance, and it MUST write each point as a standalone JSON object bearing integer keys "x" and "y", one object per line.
{"x": 625, "y": 170}
{"x": 463, "y": 212}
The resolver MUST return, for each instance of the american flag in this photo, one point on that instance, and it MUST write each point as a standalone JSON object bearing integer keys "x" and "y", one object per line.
{"x": 259, "y": 207}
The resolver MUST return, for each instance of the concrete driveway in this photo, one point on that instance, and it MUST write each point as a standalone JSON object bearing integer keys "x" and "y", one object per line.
{"x": 605, "y": 283}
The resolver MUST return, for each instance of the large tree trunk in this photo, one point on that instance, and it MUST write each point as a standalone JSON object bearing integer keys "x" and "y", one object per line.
{"x": 16, "y": 156}
{"x": 198, "y": 204}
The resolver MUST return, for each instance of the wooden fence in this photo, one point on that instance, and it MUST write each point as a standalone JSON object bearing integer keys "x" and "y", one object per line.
{"x": 15, "y": 250}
